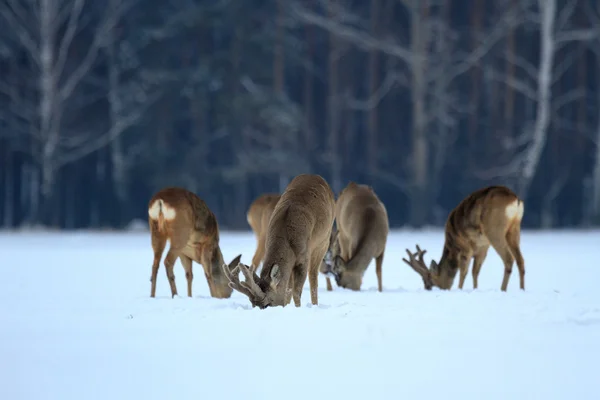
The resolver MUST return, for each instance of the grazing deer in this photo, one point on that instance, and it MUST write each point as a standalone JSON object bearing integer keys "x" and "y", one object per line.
{"x": 489, "y": 216}
{"x": 297, "y": 239}
{"x": 258, "y": 216}
{"x": 178, "y": 215}
{"x": 361, "y": 235}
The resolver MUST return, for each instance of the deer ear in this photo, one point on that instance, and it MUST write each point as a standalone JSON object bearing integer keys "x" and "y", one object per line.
{"x": 338, "y": 264}
{"x": 275, "y": 271}
{"x": 235, "y": 262}
{"x": 275, "y": 275}
{"x": 433, "y": 267}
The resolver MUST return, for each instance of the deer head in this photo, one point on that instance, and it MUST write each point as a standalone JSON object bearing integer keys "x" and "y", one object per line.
{"x": 337, "y": 268}
{"x": 261, "y": 292}
{"x": 220, "y": 283}
{"x": 429, "y": 275}
{"x": 333, "y": 263}
{"x": 345, "y": 277}
{"x": 332, "y": 251}
{"x": 440, "y": 274}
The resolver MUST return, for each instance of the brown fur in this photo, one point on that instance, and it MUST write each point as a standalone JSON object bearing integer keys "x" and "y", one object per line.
{"x": 258, "y": 216}
{"x": 362, "y": 230}
{"x": 327, "y": 263}
{"x": 194, "y": 236}
{"x": 480, "y": 220}
{"x": 297, "y": 239}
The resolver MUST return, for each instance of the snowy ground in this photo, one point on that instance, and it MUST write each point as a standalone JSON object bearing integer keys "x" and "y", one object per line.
{"x": 76, "y": 322}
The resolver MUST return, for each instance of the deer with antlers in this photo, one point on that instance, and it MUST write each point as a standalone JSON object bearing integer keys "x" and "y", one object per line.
{"x": 183, "y": 218}
{"x": 487, "y": 217}
{"x": 258, "y": 216}
{"x": 297, "y": 239}
{"x": 361, "y": 235}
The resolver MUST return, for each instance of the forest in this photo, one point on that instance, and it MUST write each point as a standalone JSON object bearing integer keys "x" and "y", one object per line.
{"x": 104, "y": 103}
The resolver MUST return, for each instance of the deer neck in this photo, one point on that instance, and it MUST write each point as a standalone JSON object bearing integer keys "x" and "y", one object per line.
{"x": 275, "y": 286}
{"x": 360, "y": 260}
{"x": 447, "y": 268}
{"x": 216, "y": 261}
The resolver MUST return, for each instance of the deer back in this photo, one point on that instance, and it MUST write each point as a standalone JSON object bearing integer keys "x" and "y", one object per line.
{"x": 260, "y": 211}
{"x": 301, "y": 221}
{"x": 185, "y": 216}
{"x": 486, "y": 212}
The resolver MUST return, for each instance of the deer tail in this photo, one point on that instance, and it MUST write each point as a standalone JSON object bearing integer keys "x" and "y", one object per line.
{"x": 161, "y": 212}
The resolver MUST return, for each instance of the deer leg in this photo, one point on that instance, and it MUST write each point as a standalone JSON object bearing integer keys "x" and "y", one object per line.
{"x": 464, "y": 269}
{"x": 316, "y": 258}
{"x": 478, "y": 260}
{"x": 299, "y": 278}
{"x": 207, "y": 272}
{"x": 503, "y": 251}
{"x": 513, "y": 237}
{"x": 328, "y": 282}
{"x": 189, "y": 275}
{"x": 323, "y": 268}
{"x": 378, "y": 271}
{"x": 169, "y": 267}
{"x": 158, "y": 245}
{"x": 259, "y": 253}
{"x": 289, "y": 290}
{"x": 313, "y": 281}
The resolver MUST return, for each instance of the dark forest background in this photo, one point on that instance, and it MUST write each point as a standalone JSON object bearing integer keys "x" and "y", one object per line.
{"x": 104, "y": 102}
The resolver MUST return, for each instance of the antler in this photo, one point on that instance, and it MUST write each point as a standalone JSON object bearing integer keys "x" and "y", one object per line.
{"x": 249, "y": 287}
{"x": 417, "y": 263}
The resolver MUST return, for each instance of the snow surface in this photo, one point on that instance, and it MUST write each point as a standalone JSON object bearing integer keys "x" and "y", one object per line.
{"x": 77, "y": 322}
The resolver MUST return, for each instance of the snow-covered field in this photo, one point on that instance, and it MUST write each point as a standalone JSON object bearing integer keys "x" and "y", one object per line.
{"x": 77, "y": 322}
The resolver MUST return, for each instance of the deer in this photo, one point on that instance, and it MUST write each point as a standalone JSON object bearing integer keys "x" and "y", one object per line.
{"x": 297, "y": 238}
{"x": 258, "y": 216}
{"x": 181, "y": 217}
{"x": 361, "y": 235}
{"x": 490, "y": 216}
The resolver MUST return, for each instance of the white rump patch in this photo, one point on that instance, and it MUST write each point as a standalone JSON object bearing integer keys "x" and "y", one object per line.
{"x": 515, "y": 210}
{"x": 158, "y": 206}
{"x": 154, "y": 209}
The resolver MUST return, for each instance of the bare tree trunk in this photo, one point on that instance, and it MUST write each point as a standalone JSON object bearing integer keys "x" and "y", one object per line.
{"x": 119, "y": 173}
{"x": 278, "y": 58}
{"x": 419, "y": 201}
{"x": 9, "y": 195}
{"x": 595, "y": 181}
{"x": 49, "y": 111}
{"x": 372, "y": 120}
{"x": 279, "y": 72}
{"x": 309, "y": 143}
{"x": 96, "y": 212}
{"x": 70, "y": 213}
{"x": 548, "y": 212}
{"x": 477, "y": 15}
{"x": 333, "y": 108}
{"x": 241, "y": 189}
{"x": 544, "y": 81}
{"x": 440, "y": 106}
{"x": 31, "y": 185}
{"x": 509, "y": 96}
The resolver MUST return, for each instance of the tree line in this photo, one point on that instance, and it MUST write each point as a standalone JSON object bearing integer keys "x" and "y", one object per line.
{"x": 103, "y": 103}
